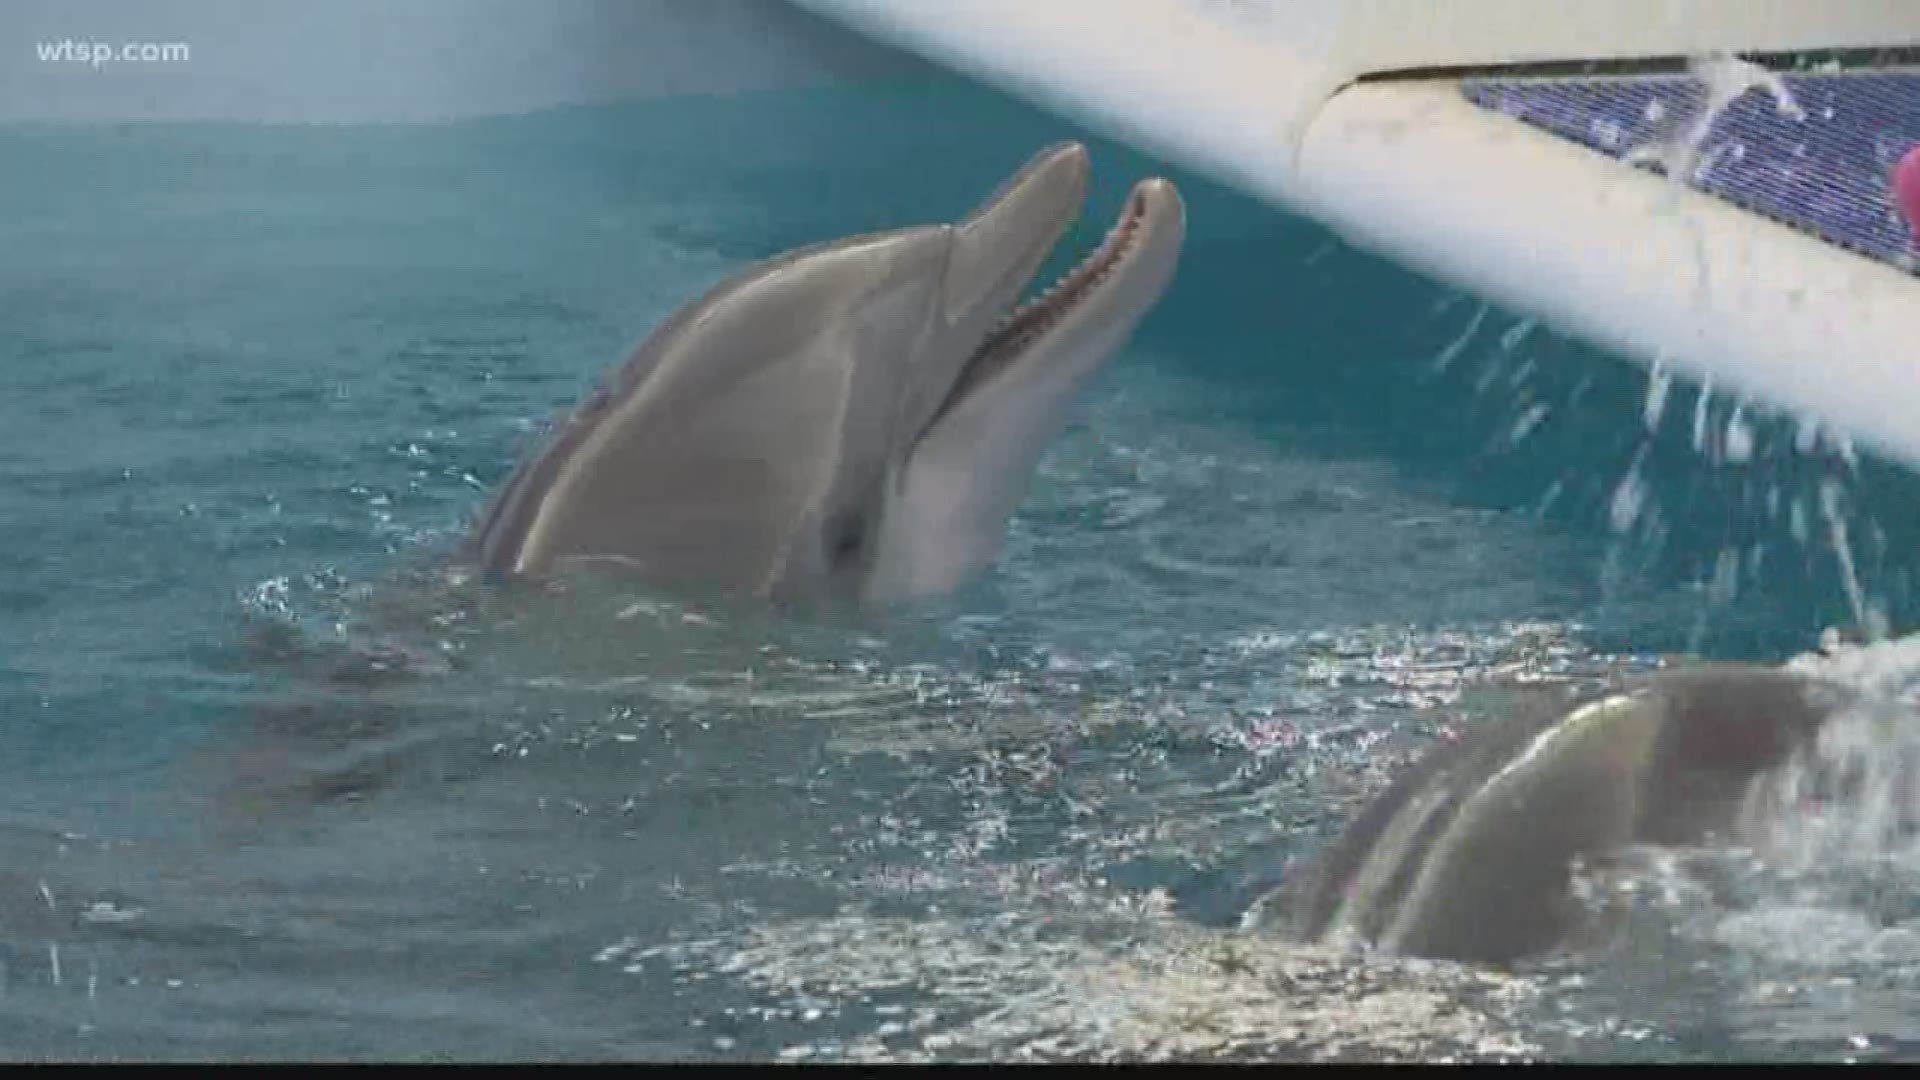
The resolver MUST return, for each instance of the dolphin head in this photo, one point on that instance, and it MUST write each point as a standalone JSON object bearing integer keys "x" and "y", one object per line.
{"x": 850, "y": 421}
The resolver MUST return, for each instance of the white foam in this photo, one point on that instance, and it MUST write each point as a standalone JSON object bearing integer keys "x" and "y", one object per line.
{"x": 1885, "y": 669}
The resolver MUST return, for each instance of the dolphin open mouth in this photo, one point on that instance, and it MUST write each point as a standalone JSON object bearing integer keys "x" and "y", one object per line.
{"x": 1026, "y": 322}
{"x": 857, "y": 418}
{"x": 1031, "y": 318}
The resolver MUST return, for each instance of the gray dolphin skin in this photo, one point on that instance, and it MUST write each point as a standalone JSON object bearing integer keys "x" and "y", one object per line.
{"x": 852, "y": 421}
{"x": 1470, "y": 855}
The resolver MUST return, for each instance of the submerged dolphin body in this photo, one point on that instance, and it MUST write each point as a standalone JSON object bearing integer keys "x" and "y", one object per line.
{"x": 1470, "y": 855}
{"x": 855, "y": 420}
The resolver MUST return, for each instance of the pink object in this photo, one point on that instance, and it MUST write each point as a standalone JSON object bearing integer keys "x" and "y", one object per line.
{"x": 1906, "y": 189}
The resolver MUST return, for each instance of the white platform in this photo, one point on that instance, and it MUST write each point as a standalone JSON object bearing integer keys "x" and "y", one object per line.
{"x": 1265, "y": 97}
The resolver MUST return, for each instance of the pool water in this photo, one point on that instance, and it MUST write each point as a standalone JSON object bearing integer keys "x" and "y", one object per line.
{"x": 279, "y": 786}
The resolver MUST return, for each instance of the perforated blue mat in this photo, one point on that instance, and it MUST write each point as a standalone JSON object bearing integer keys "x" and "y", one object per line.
{"x": 1824, "y": 172}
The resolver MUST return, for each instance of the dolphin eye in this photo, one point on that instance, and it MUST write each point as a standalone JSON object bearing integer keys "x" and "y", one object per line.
{"x": 847, "y": 539}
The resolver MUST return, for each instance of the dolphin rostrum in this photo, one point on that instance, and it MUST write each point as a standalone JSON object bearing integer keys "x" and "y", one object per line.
{"x": 1471, "y": 854}
{"x": 855, "y": 420}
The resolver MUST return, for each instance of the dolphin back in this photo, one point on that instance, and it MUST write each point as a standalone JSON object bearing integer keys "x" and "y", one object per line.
{"x": 1470, "y": 854}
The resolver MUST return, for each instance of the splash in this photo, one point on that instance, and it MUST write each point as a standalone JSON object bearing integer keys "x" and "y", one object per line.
{"x": 1851, "y": 798}
{"x": 1684, "y": 155}
{"x": 1866, "y": 615}
{"x": 1789, "y": 491}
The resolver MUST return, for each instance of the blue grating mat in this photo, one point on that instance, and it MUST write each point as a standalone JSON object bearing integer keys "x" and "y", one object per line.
{"x": 1825, "y": 172}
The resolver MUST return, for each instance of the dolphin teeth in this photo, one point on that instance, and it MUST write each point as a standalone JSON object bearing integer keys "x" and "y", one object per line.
{"x": 1029, "y": 319}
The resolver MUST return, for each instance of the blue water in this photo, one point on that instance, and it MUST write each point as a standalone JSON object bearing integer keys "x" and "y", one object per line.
{"x": 276, "y": 789}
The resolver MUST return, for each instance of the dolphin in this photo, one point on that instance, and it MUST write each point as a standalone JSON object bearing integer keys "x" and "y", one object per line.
{"x": 852, "y": 421}
{"x": 1470, "y": 855}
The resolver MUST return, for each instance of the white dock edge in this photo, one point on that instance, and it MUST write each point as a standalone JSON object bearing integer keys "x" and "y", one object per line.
{"x": 1627, "y": 259}
{"x": 1264, "y": 100}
